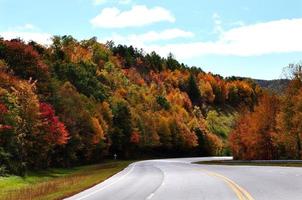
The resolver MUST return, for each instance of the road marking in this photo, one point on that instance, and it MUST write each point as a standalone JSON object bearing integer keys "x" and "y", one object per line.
{"x": 95, "y": 191}
{"x": 241, "y": 193}
{"x": 150, "y": 196}
{"x": 162, "y": 184}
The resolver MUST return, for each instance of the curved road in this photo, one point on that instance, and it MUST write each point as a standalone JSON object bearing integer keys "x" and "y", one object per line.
{"x": 179, "y": 179}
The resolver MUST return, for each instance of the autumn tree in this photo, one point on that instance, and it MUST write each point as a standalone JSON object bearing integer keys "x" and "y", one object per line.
{"x": 255, "y": 133}
{"x": 76, "y": 102}
{"x": 76, "y": 111}
{"x": 289, "y": 118}
{"x": 52, "y": 132}
{"x": 23, "y": 60}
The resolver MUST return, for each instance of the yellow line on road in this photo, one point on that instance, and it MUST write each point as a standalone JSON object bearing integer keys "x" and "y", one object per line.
{"x": 241, "y": 193}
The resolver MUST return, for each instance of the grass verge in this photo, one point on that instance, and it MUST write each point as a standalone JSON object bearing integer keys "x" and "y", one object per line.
{"x": 254, "y": 163}
{"x": 55, "y": 184}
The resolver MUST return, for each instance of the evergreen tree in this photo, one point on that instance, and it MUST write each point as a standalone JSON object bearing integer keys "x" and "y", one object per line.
{"x": 193, "y": 90}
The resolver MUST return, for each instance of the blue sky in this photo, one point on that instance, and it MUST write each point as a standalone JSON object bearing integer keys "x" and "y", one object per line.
{"x": 253, "y": 38}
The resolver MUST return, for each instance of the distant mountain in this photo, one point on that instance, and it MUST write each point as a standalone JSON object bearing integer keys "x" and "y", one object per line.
{"x": 277, "y": 85}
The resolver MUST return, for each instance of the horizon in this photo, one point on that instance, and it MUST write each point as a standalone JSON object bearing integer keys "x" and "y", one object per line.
{"x": 229, "y": 38}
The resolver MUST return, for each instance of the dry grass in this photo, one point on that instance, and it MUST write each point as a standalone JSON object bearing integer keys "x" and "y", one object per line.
{"x": 60, "y": 187}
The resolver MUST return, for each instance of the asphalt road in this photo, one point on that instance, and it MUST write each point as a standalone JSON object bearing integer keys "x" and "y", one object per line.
{"x": 178, "y": 179}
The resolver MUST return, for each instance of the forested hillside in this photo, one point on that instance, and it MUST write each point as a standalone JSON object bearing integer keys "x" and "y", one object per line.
{"x": 274, "y": 129}
{"x": 277, "y": 86}
{"x": 76, "y": 102}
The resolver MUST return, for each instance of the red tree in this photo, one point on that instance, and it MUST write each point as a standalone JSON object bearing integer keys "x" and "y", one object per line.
{"x": 56, "y": 132}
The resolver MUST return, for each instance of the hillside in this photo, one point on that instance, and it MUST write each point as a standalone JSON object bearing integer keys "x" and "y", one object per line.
{"x": 273, "y": 129}
{"x": 278, "y": 85}
{"x": 77, "y": 102}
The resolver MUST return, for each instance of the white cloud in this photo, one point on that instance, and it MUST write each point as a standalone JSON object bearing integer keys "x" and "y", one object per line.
{"x": 151, "y": 36}
{"x": 139, "y": 15}
{"x": 27, "y": 32}
{"x": 280, "y": 36}
{"x": 237, "y": 23}
{"x": 124, "y": 1}
{"x": 27, "y": 27}
{"x": 24, "y": 27}
{"x": 99, "y": 2}
{"x": 217, "y": 23}
{"x": 41, "y": 38}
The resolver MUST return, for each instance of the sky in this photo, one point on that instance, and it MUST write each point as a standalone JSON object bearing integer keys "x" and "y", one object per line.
{"x": 250, "y": 38}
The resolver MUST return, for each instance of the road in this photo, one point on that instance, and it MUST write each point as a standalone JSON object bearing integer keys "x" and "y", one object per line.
{"x": 179, "y": 179}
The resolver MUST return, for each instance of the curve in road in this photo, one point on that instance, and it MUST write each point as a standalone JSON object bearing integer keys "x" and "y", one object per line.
{"x": 179, "y": 179}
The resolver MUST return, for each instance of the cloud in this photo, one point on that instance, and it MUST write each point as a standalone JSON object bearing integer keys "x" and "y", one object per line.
{"x": 139, "y": 15}
{"x": 124, "y": 1}
{"x": 41, "y": 38}
{"x": 151, "y": 36}
{"x": 217, "y": 23}
{"x": 27, "y": 32}
{"x": 24, "y": 27}
{"x": 99, "y": 2}
{"x": 237, "y": 23}
{"x": 280, "y": 36}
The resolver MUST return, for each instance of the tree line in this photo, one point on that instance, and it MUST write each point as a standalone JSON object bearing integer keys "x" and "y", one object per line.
{"x": 78, "y": 102}
{"x": 274, "y": 129}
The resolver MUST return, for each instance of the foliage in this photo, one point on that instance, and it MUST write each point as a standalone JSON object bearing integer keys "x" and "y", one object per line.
{"x": 162, "y": 101}
{"x": 193, "y": 90}
{"x": 77, "y": 102}
{"x": 219, "y": 123}
{"x": 122, "y": 132}
{"x": 273, "y": 130}
{"x": 254, "y": 135}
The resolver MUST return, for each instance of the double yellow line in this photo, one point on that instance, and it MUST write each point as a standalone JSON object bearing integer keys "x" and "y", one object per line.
{"x": 241, "y": 193}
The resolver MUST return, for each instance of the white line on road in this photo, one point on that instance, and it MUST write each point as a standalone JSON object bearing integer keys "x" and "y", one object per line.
{"x": 95, "y": 191}
{"x": 162, "y": 184}
{"x": 150, "y": 196}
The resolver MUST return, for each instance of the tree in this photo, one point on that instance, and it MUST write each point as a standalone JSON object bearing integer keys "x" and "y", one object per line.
{"x": 75, "y": 111}
{"x": 121, "y": 135}
{"x": 289, "y": 117}
{"x": 171, "y": 63}
{"x": 23, "y": 60}
{"x": 162, "y": 101}
{"x": 219, "y": 123}
{"x": 74, "y": 102}
{"x": 207, "y": 91}
{"x": 164, "y": 132}
{"x": 52, "y": 133}
{"x": 154, "y": 61}
{"x": 193, "y": 90}
{"x": 56, "y": 131}
{"x": 255, "y": 133}
{"x": 83, "y": 77}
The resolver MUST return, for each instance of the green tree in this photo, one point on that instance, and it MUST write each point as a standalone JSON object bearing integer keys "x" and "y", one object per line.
{"x": 154, "y": 61}
{"x": 163, "y": 102}
{"x": 172, "y": 63}
{"x": 122, "y": 130}
{"x": 83, "y": 77}
{"x": 193, "y": 90}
